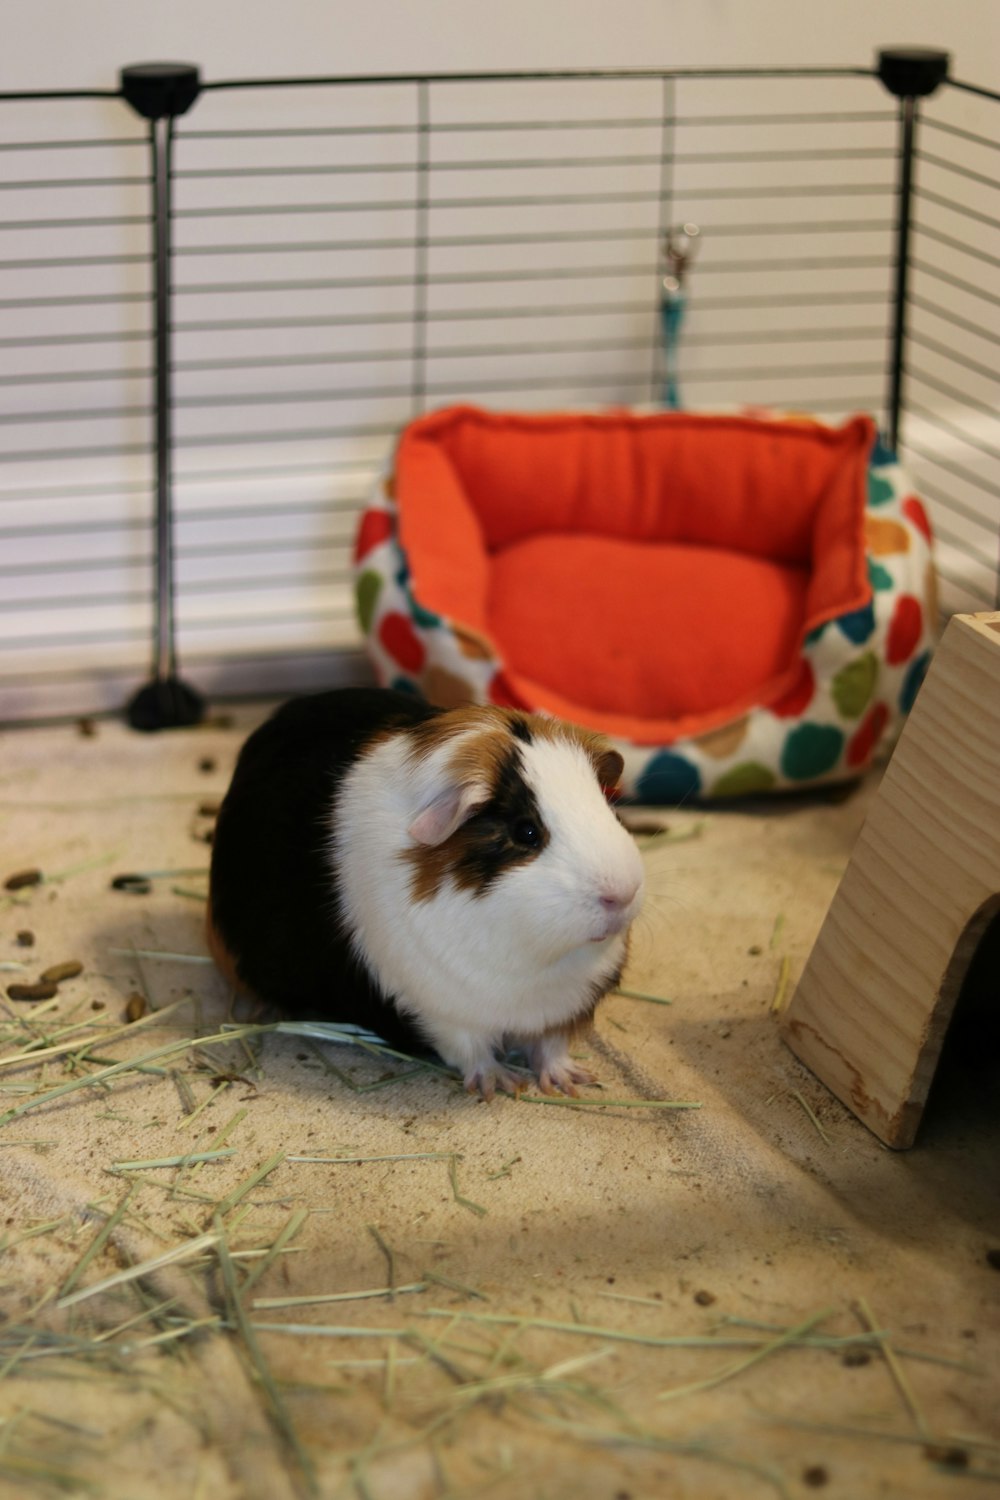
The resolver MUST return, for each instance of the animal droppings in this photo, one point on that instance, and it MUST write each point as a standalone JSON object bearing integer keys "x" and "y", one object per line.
{"x": 38, "y": 991}
{"x": 60, "y": 972}
{"x": 135, "y": 1007}
{"x": 136, "y": 885}
{"x": 948, "y": 1454}
{"x": 21, "y": 879}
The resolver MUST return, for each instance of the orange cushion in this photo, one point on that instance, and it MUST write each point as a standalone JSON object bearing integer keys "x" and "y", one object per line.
{"x": 648, "y": 617}
{"x": 652, "y": 575}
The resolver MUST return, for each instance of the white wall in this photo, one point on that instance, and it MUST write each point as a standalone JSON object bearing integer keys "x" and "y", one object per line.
{"x": 81, "y": 43}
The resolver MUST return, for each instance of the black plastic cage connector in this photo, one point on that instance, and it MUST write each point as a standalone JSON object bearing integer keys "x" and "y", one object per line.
{"x": 912, "y": 72}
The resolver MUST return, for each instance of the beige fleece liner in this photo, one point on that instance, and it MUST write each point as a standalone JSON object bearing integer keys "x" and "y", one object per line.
{"x": 590, "y": 1299}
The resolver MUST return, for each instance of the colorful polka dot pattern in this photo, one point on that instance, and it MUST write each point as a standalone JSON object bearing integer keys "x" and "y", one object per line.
{"x": 858, "y": 675}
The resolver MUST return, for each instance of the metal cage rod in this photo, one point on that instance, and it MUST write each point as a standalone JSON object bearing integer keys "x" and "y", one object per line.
{"x": 160, "y": 92}
{"x": 164, "y": 652}
{"x": 909, "y": 74}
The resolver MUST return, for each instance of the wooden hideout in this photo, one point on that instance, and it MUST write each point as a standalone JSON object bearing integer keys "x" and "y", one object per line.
{"x": 871, "y": 1010}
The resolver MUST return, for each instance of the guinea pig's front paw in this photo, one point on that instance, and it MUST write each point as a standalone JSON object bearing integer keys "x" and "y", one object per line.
{"x": 557, "y": 1073}
{"x": 559, "y": 1079}
{"x": 473, "y": 1054}
{"x": 486, "y": 1078}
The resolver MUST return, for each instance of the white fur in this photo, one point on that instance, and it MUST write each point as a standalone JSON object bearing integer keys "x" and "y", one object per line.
{"x": 507, "y": 966}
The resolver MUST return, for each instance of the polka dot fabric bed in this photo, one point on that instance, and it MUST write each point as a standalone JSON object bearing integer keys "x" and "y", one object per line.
{"x": 742, "y": 602}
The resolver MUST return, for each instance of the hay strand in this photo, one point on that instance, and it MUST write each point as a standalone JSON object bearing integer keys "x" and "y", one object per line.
{"x": 463, "y": 1202}
{"x": 169, "y": 1049}
{"x": 333, "y": 1330}
{"x": 781, "y": 988}
{"x": 269, "y": 1304}
{"x": 642, "y": 995}
{"x": 97, "y": 1244}
{"x": 31, "y": 1053}
{"x": 608, "y": 1103}
{"x": 399, "y": 1156}
{"x": 171, "y": 1161}
{"x": 287, "y": 1234}
{"x": 810, "y": 1114}
{"x": 245, "y": 1328}
{"x": 437, "y": 1279}
{"x": 737, "y": 1366}
{"x": 187, "y": 1251}
{"x": 390, "y": 1256}
{"x": 896, "y": 1370}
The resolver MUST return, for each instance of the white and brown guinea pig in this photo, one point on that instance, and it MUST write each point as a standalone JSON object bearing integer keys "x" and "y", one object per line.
{"x": 445, "y": 878}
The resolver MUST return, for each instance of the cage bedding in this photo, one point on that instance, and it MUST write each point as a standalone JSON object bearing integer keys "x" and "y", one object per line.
{"x": 741, "y": 601}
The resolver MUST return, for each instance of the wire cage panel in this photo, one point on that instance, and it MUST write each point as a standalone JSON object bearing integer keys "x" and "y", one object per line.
{"x": 347, "y": 254}
{"x": 75, "y": 402}
{"x": 952, "y": 392}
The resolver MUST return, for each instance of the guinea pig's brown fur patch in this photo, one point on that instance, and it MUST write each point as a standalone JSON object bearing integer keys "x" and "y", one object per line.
{"x": 478, "y": 852}
{"x": 607, "y": 762}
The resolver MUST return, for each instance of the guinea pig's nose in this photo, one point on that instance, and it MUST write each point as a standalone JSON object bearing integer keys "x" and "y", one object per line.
{"x": 619, "y": 898}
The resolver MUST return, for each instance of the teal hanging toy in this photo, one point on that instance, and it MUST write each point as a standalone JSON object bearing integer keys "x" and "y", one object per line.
{"x": 678, "y": 249}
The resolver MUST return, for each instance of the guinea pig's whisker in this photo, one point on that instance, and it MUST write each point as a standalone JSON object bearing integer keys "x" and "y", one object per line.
{"x": 663, "y": 898}
{"x": 645, "y": 937}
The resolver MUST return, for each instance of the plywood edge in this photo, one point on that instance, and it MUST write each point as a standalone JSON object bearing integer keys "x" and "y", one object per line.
{"x": 897, "y": 1128}
{"x": 986, "y": 624}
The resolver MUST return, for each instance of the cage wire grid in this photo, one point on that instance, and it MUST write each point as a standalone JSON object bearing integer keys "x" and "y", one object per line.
{"x": 348, "y": 253}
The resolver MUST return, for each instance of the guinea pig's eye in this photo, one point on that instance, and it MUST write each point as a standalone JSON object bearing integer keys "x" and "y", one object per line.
{"x": 524, "y": 831}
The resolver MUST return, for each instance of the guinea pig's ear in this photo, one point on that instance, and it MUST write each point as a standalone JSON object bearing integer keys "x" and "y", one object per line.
{"x": 449, "y": 807}
{"x": 610, "y": 766}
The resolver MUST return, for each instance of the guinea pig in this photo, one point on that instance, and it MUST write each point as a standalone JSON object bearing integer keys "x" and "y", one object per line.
{"x": 453, "y": 880}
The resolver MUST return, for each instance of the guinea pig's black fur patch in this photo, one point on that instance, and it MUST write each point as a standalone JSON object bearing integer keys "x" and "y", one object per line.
{"x": 273, "y": 900}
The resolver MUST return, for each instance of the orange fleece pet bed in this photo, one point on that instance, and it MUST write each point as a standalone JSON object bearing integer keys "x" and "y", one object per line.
{"x": 741, "y": 602}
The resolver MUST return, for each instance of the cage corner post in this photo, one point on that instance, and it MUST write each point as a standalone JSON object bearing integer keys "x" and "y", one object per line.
{"x": 909, "y": 74}
{"x": 159, "y": 92}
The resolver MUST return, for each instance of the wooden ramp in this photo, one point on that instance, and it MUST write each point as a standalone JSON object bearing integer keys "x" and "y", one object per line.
{"x": 923, "y": 884}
